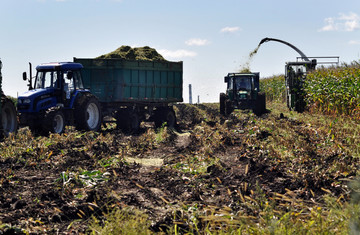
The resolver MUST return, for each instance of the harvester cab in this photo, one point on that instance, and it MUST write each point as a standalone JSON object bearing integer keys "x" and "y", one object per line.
{"x": 295, "y": 75}
{"x": 242, "y": 92}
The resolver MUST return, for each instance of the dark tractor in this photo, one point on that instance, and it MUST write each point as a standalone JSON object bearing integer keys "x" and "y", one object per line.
{"x": 243, "y": 92}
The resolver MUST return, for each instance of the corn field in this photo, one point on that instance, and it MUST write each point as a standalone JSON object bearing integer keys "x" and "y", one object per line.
{"x": 332, "y": 90}
{"x": 274, "y": 88}
{"x": 335, "y": 90}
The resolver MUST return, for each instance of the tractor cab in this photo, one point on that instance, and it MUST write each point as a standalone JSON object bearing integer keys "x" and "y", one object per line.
{"x": 242, "y": 86}
{"x": 54, "y": 85}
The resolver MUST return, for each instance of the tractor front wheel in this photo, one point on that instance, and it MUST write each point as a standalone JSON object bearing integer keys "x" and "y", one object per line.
{"x": 54, "y": 122}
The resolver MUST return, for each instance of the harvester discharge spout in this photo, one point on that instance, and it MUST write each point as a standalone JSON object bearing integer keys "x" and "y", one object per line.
{"x": 286, "y": 43}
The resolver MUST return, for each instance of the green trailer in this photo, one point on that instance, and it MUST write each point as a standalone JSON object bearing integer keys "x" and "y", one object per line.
{"x": 132, "y": 91}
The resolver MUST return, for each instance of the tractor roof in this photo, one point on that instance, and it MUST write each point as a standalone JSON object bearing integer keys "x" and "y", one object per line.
{"x": 242, "y": 74}
{"x": 59, "y": 66}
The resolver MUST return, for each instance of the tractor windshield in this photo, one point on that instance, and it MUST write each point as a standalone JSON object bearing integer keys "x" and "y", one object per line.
{"x": 47, "y": 79}
{"x": 243, "y": 83}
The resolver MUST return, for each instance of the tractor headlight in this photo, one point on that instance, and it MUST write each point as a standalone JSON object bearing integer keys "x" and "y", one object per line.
{"x": 26, "y": 101}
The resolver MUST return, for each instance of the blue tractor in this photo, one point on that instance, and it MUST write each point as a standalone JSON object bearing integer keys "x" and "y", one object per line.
{"x": 58, "y": 98}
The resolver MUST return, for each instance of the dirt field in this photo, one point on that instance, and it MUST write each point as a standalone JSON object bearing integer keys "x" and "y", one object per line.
{"x": 210, "y": 164}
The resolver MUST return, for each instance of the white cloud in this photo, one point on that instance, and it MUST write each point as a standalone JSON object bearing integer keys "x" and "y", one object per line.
{"x": 230, "y": 29}
{"x": 177, "y": 53}
{"x": 344, "y": 22}
{"x": 197, "y": 42}
{"x": 354, "y": 42}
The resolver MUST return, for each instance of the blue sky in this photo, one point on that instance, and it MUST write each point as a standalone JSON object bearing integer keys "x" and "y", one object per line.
{"x": 211, "y": 37}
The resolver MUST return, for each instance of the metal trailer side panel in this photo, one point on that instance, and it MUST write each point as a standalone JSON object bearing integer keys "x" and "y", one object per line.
{"x": 127, "y": 81}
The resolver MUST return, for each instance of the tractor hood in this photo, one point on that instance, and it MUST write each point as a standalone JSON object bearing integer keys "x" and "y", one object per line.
{"x": 34, "y": 93}
{"x": 36, "y": 100}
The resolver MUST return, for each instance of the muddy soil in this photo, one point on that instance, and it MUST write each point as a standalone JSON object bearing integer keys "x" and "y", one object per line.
{"x": 75, "y": 181}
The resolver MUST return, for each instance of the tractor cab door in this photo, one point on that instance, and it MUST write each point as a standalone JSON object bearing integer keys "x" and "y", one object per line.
{"x": 230, "y": 87}
{"x": 72, "y": 82}
{"x": 256, "y": 80}
{"x": 51, "y": 81}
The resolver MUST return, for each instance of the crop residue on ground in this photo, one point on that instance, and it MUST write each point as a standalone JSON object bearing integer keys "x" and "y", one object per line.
{"x": 236, "y": 173}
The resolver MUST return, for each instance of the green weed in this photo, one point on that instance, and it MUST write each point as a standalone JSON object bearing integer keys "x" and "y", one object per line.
{"x": 121, "y": 221}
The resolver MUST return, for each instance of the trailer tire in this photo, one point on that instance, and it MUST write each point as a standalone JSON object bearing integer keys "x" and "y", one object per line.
{"x": 222, "y": 103}
{"x": 8, "y": 117}
{"x": 165, "y": 115}
{"x": 88, "y": 114}
{"x": 120, "y": 120}
{"x": 54, "y": 122}
{"x": 128, "y": 121}
{"x": 134, "y": 122}
{"x": 170, "y": 118}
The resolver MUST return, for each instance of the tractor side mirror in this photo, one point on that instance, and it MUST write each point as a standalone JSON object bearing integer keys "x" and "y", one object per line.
{"x": 226, "y": 79}
{"x": 24, "y": 76}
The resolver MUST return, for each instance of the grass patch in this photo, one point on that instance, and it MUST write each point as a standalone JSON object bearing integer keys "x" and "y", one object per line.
{"x": 121, "y": 221}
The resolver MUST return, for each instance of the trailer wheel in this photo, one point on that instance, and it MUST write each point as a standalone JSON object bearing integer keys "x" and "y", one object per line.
{"x": 88, "y": 115}
{"x": 8, "y": 117}
{"x": 165, "y": 115}
{"x": 134, "y": 122}
{"x": 54, "y": 122}
{"x": 128, "y": 121}
{"x": 121, "y": 120}
{"x": 222, "y": 103}
{"x": 170, "y": 118}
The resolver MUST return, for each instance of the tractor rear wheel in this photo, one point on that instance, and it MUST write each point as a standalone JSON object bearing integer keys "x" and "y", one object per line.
{"x": 8, "y": 117}
{"x": 88, "y": 114}
{"x": 222, "y": 103}
{"x": 260, "y": 104}
{"x": 228, "y": 107}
